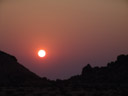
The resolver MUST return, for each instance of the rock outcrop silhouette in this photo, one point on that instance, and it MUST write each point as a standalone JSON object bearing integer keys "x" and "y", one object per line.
{"x": 14, "y": 74}
{"x": 16, "y": 80}
{"x": 114, "y": 73}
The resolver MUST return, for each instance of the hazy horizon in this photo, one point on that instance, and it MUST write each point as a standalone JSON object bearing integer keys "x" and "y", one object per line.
{"x": 73, "y": 33}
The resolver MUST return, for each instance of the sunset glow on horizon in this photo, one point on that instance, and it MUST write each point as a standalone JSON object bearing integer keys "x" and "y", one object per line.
{"x": 73, "y": 33}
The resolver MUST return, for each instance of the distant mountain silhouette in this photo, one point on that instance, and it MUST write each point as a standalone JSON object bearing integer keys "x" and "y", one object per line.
{"x": 14, "y": 74}
{"x": 114, "y": 73}
{"x": 16, "y": 80}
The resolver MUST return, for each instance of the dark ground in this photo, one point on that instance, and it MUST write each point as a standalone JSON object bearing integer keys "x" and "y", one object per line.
{"x": 16, "y": 80}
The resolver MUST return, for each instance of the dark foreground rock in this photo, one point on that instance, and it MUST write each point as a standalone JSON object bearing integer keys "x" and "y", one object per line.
{"x": 115, "y": 73}
{"x": 16, "y": 80}
{"x": 14, "y": 74}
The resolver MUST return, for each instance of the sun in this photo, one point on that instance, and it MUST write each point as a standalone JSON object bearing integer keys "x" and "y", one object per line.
{"x": 41, "y": 53}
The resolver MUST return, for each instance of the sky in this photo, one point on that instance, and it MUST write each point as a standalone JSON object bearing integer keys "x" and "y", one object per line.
{"x": 73, "y": 33}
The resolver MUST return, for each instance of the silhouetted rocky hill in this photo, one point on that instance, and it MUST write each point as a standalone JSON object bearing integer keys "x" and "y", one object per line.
{"x": 14, "y": 74}
{"x": 115, "y": 73}
{"x": 16, "y": 80}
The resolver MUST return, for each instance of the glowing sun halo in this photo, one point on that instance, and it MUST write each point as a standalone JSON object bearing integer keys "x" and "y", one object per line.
{"x": 41, "y": 53}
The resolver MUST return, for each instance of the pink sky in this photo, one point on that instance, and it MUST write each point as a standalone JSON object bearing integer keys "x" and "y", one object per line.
{"x": 73, "y": 32}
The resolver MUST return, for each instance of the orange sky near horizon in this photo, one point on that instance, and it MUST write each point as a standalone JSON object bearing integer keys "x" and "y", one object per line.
{"x": 73, "y": 33}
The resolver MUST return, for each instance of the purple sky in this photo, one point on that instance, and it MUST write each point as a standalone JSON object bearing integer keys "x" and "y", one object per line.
{"x": 73, "y": 32}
